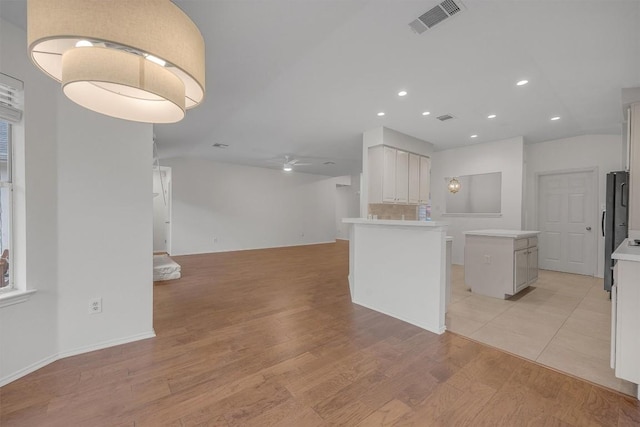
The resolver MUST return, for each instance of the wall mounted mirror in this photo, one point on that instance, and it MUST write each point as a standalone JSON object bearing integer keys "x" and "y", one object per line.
{"x": 476, "y": 194}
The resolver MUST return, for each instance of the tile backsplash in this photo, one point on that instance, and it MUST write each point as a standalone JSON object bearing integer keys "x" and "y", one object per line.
{"x": 389, "y": 211}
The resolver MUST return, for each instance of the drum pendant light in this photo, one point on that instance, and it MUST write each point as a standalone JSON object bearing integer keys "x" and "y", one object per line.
{"x": 139, "y": 60}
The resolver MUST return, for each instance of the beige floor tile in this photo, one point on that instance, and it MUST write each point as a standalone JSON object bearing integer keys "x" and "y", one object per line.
{"x": 510, "y": 341}
{"x": 598, "y": 292}
{"x": 583, "y": 366}
{"x": 461, "y": 325}
{"x": 588, "y": 327}
{"x": 550, "y": 301}
{"x": 479, "y": 309}
{"x": 543, "y": 328}
{"x": 596, "y": 305}
{"x": 536, "y": 314}
{"x": 583, "y": 344}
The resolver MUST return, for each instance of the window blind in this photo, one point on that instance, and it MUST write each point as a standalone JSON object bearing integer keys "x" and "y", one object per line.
{"x": 11, "y": 96}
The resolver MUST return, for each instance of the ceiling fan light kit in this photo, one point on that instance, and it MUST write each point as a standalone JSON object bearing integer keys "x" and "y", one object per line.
{"x": 139, "y": 60}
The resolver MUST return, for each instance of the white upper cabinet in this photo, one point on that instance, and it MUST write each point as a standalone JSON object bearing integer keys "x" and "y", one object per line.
{"x": 425, "y": 180}
{"x": 389, "y": 175}
{"x": 397, "y": 176}
{"x": 414, "y": 179}
{"x": 402, "y": 177}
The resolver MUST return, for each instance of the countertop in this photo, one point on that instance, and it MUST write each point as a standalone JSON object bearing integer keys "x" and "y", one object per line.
{"x": 514, "y": 234}
{"x": 406, "y": 223}
{"x": 626, "y": 252}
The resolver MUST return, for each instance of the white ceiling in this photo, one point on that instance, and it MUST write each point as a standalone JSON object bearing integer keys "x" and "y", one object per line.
{"x": 305, "y": 78}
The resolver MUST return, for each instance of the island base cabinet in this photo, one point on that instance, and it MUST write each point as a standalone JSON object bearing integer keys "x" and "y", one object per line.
{"x": 500, "y": 267}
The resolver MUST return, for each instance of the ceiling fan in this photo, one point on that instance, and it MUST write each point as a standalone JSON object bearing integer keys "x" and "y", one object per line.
{"x": 288, "y": 163}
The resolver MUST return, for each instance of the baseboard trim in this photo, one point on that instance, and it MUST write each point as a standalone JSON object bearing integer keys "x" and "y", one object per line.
{"x": 27, "y": 370}
{"x": 254, "y": 249}
{"x": 80, "y": 350}
{"x": 106, "y": 344}
{"x": 431, "y": 328}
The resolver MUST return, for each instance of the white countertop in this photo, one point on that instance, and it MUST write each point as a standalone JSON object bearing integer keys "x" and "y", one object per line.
{"x": 626, "y": 252}
{"x": 401, "y": 222}
{"x": 514, "y": 234}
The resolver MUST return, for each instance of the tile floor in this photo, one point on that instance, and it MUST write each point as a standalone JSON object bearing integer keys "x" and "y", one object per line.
{"x": 562, "y": 321}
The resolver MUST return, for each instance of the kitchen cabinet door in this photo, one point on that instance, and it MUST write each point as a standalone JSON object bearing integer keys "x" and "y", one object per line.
{"x": 389, "y": 175}
{"x": 425, "y": 180}
{"x": 520, "y": 269}
{"x": 414, "y": 179}
{"x": 532, "y": 264}
{"x": 402, "y": 176}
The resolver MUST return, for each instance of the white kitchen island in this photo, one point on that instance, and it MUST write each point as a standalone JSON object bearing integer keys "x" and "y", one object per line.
{"x": 500, "y": 263}
{"x": 399, "y": 268}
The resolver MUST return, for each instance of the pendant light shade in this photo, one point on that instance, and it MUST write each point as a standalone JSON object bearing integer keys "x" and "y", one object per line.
{"x": 454, "y": 185}
{"x": 139, "y": 60}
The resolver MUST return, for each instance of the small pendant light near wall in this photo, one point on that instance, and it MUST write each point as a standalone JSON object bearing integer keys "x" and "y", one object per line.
{"x": 454, "y": 185}
{"x": 139, "y": 60}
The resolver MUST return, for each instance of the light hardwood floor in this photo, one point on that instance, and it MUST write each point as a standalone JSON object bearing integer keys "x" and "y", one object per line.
{"x": 270, "y": 337}
{"x": 562, "y": 321}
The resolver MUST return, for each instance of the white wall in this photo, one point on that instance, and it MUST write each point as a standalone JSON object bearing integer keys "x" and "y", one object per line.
{"x": 105, "y": 214}
{"x": 83, "y": 222}
{"x": 28, "y": 331}
{"x": 393, "y": 138}
{"x": 247, "y": 207}
{"x": 506, "y": 156}
{"x": 603, "y": 152}
{"x": 347, "y": 205}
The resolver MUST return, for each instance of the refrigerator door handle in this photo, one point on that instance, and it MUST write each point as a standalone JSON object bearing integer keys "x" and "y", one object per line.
{"x": 602, "y": 222}
{"x": 622, "y": 201}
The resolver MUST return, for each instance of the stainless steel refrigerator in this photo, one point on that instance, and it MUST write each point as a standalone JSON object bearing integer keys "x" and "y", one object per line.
{"x": 614, "y": 220}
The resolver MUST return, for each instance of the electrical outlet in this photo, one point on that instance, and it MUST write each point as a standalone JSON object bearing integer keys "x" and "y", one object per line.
{"x": 302, "y": 234}
{"x": 95, "y": 306}
{"x": 487, "y": 259}
{"x": 215, "y": 240}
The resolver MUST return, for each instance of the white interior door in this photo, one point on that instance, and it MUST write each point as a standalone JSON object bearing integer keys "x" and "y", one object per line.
{"x": 162, "y": 209}
{"x": 566, "y": 222}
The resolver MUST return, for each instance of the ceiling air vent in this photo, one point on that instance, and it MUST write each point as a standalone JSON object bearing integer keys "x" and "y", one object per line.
{"x": 445, "y": 117}
{"x": 220, "y": 145}
{"x": 434, "y": 16}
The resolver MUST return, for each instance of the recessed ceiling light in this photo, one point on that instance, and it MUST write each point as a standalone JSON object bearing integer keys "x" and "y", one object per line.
{"x": 287, "y": 168}
{"x": 381, "y": 113}
{"x": 522, "y": 82}
{"x": 426, "y": 113}
{"x": 402, "y": 93}
{"x": 555, "y": 118}
{"x": 491, "y": 116}
{"x": 474, "y": 136}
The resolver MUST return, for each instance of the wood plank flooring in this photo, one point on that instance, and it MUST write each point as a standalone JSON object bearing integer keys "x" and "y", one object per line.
{"x": 270, "y": 338}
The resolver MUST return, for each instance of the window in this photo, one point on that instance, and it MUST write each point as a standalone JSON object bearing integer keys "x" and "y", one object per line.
{"x": 10, "y": 114}
{"x": 5, "y": 204}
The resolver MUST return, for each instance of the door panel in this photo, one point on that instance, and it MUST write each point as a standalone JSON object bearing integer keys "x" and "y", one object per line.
{"x": 576, "y": 208}
{"x": 532, "y": 270}
{"x": 566, "y": 221}
{"x": 520, "y": 268}
{"x": 576, "y": 243}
